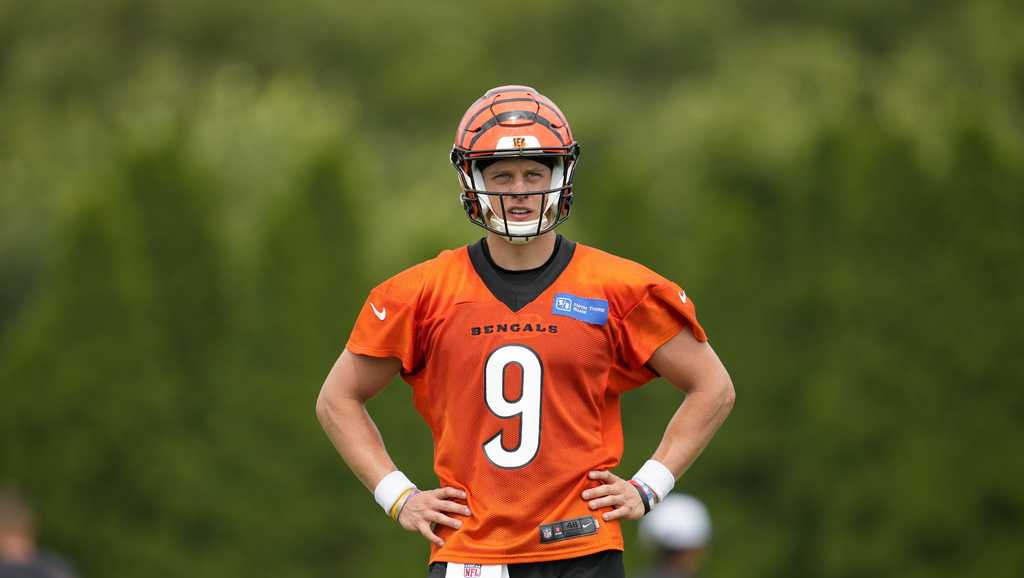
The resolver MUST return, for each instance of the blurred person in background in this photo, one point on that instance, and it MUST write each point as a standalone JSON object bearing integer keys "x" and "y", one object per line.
{"x": 19, "y": 555}
{"x": 518, "y": 348}
{"x": 679, "y": 530}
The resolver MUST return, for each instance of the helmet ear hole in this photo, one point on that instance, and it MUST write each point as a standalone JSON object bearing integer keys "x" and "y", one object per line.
{"x": 565, "y": 206}
{"x": 472, "y": 207}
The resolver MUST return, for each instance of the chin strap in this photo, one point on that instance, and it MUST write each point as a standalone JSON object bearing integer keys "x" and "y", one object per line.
{"x": 518, "y": 240}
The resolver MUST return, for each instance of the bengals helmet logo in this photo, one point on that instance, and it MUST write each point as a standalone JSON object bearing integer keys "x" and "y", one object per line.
{"x": 519, "y": 142}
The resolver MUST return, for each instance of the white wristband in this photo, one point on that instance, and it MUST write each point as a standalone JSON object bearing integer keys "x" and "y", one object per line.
{"x": 390, "y": 488}
{"x": 657, "y": 477}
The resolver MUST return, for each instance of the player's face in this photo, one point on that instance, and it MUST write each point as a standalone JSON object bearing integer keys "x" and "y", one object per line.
{"x": 517, "y": 176}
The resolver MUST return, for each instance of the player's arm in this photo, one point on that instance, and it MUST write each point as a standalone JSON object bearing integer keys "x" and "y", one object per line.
{"x": 693, "y": 367}
{"x": 341, "y": 409}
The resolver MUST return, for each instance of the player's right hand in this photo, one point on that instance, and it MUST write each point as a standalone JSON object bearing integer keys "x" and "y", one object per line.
{"x": 425, "y": 509}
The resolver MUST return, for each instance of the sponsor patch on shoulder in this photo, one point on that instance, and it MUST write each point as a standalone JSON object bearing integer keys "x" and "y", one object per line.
{"x": 593, "y": 311}
{"x": 565, "y": 529}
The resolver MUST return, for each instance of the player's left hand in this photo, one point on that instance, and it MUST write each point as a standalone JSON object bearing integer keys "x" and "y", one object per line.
{"x": 614, "y": 492}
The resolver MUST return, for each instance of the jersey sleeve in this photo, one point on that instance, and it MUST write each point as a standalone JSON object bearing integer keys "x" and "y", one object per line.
{"x": 386, "y": 325}
{"x": 662, "y": 312}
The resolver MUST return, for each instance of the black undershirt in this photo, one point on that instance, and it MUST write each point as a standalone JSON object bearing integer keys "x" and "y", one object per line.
{"x": 516, "y": 289}
{"x": 524, "y": 277}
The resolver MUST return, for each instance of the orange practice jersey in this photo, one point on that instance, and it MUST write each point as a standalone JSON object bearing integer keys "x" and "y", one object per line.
{"x": 521, "y": 390}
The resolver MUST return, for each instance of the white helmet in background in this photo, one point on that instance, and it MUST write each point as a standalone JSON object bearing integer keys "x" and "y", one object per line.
{"x": 680, "y": 522}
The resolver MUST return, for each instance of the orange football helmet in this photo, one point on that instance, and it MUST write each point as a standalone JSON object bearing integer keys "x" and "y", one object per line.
{"x": 515, "y": 122}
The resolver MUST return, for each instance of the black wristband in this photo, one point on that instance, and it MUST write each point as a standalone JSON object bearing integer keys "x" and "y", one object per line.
{"x": 643, "y": 496}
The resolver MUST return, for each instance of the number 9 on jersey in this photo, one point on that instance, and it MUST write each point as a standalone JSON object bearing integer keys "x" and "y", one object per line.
{"x": 527, "y": 406}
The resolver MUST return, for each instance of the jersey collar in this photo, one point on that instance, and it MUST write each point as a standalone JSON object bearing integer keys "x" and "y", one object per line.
{"x": 517, "y": 297}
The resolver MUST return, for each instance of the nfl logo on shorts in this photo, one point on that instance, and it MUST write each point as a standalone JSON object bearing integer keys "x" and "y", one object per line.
{"x": 546, "y": 532}
{"x": 563, "y": 304}
{"x": 471, "y": 571}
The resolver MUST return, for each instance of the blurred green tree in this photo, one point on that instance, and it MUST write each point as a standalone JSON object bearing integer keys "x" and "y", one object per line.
{"x": 196, "y": 197}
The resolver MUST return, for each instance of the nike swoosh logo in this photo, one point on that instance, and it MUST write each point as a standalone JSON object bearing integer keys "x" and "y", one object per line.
{"x": 682, "y": 297}
{"x": 380, "y": 314}
{"x": 585, "y": 524}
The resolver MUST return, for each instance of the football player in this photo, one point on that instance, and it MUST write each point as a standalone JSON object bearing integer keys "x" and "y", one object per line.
{"x": 517, "y": 348}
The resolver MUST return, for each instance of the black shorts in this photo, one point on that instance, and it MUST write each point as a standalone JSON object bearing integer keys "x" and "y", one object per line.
{"x": 607, "y": 564}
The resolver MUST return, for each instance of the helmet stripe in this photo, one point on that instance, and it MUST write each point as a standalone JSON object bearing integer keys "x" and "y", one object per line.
{"x": 469, "y": 122}
{"x": 509, "y": 114}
